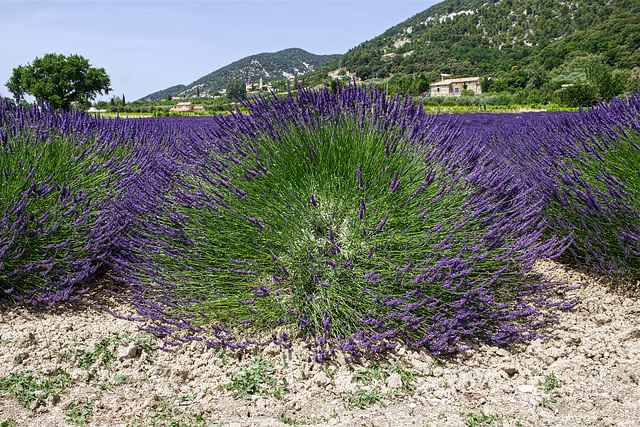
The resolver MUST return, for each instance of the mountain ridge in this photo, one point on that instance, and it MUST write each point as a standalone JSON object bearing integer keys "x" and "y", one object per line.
{"x": 269, "y": 66}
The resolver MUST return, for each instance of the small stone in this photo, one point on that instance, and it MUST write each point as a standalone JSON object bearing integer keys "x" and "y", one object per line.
{"x": 554, "y": 353}
{"x": 629, "y": 334}
{"x": 561, "y": 365}
{"x": 510, "y": 370}
{"x": 419, "y": 364}
{"x": 52, "y": 399}
{"x": 394, "y": 381}
{"x": 49, "y": 369}
{"x": 321, "y": 379}
{"x": 438, "y": 372}
{"x": 179, "y": 375}
{"x": 25, "y": 340}
{"x": 129, "y": 352}
{"x": 527, "y": 388}
{"x": 79, "y": 374}
{"x": 271, "y": 350}
{"x": 535, "y": 401}
{"x": 502, "y": 352}
{"x": 19, "y": 357}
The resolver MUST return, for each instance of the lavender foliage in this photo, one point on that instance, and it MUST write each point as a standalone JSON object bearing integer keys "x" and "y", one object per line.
{"x": 354, "y": 220}
{"x": 585, "y": 168}
{"x": 63, "y": 177}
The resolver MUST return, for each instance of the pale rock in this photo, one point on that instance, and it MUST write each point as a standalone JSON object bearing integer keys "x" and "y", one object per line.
{"x": 560, "y": 366}
{"x": 79, "y": 374}
{"x": 271, "y": 350}
{"x": 321, "y": 379}
{"x": 535, "y": 400}
{"x": 526, "y": 388}
{"x": 52, "y": 399}
{"x": 179, "y": 375}
{"x": 49, "y": 369}
{"x": 25, "y": 340}
{"x": 129, "y": 352}
{"x": 419, "y": 364}
{"x": 502, "y": 352}
{"x": 394, "y": 381}
{"x": 554, "y": 353}
{"x": 602, "y": 319}
{"x": 629, "y": 334}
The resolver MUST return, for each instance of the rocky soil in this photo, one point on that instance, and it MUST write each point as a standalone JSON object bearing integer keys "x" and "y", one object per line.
{"x": 80, "y": 365}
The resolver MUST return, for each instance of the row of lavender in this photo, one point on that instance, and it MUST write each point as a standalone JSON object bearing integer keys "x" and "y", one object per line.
{"x": 349, "y": 219}
{"x": 67, "y": 182}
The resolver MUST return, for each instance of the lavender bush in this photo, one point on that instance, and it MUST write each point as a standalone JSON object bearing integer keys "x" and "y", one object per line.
{"x": 351, "y": 219}
{"x": 585, "y": 166}
{"x": 63, "y": 175}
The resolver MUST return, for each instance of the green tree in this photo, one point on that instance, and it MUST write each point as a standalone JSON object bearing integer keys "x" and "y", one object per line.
{"x": 606, "y": 83}
{"x": 236, "y": 90}
{"x": 60, "y": 80}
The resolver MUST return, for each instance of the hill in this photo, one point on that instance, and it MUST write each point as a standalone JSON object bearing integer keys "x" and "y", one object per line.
{"x": 478, "y": 37}
{"x": 268, "y": 66}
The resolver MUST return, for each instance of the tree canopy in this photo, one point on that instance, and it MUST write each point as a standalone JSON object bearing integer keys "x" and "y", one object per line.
{"x": 236, "y": 90}
{"x": 60, "y": 80}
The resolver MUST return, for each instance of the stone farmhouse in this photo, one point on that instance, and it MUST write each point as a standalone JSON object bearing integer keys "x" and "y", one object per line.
{"x": 186, "y": 107}
{"x": 454, "y": 87}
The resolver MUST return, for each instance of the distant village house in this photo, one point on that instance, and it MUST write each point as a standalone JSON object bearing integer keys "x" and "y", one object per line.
{"x": 186, "y": 107}
{"x": 454, "y": 87}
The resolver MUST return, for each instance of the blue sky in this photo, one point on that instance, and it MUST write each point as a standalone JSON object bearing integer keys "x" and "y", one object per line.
{"x": 147, "y": 46}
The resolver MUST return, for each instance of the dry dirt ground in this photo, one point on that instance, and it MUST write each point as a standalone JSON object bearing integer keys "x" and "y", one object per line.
{"x": 80, "y": 365}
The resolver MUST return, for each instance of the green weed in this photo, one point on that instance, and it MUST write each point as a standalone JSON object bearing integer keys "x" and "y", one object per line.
{"x": 86, "y": 359}
{"x": 362, "y": 398}
{"x": 79, "y": 412}
{"x": 166, "y": 414}
{"x": 258, "y": 378}
{"x": 550, "y": 384}
{"x": 27, "y": 388}
{"x": 482, "y": 420}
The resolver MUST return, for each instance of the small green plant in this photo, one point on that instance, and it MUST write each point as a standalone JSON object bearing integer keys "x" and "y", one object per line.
{"x": 362, "y": 398}
{"x": 258, "y": 378}
{"x": 550, "y": 384}
{"x": 8, "y": 423}
{"x": 28, "y": 388}
{"x": 121, "y": 379}
{"x": 86, "y": 359}
{"x": 166, "y": 414}
{"x": 147, "y": 343}
{"x": 5, "y": 342}
{"x": 482, "y": 420}
{"x": 380, "y": 372}
{"x": 79, "y": 412}
{"x": 288, "y": 420}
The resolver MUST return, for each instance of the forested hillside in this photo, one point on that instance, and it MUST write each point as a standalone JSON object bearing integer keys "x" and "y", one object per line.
{"x": 476, "y": 37}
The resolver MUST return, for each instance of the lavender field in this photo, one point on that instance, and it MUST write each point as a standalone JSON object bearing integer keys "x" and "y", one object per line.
{"x": 351, "y": 220}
